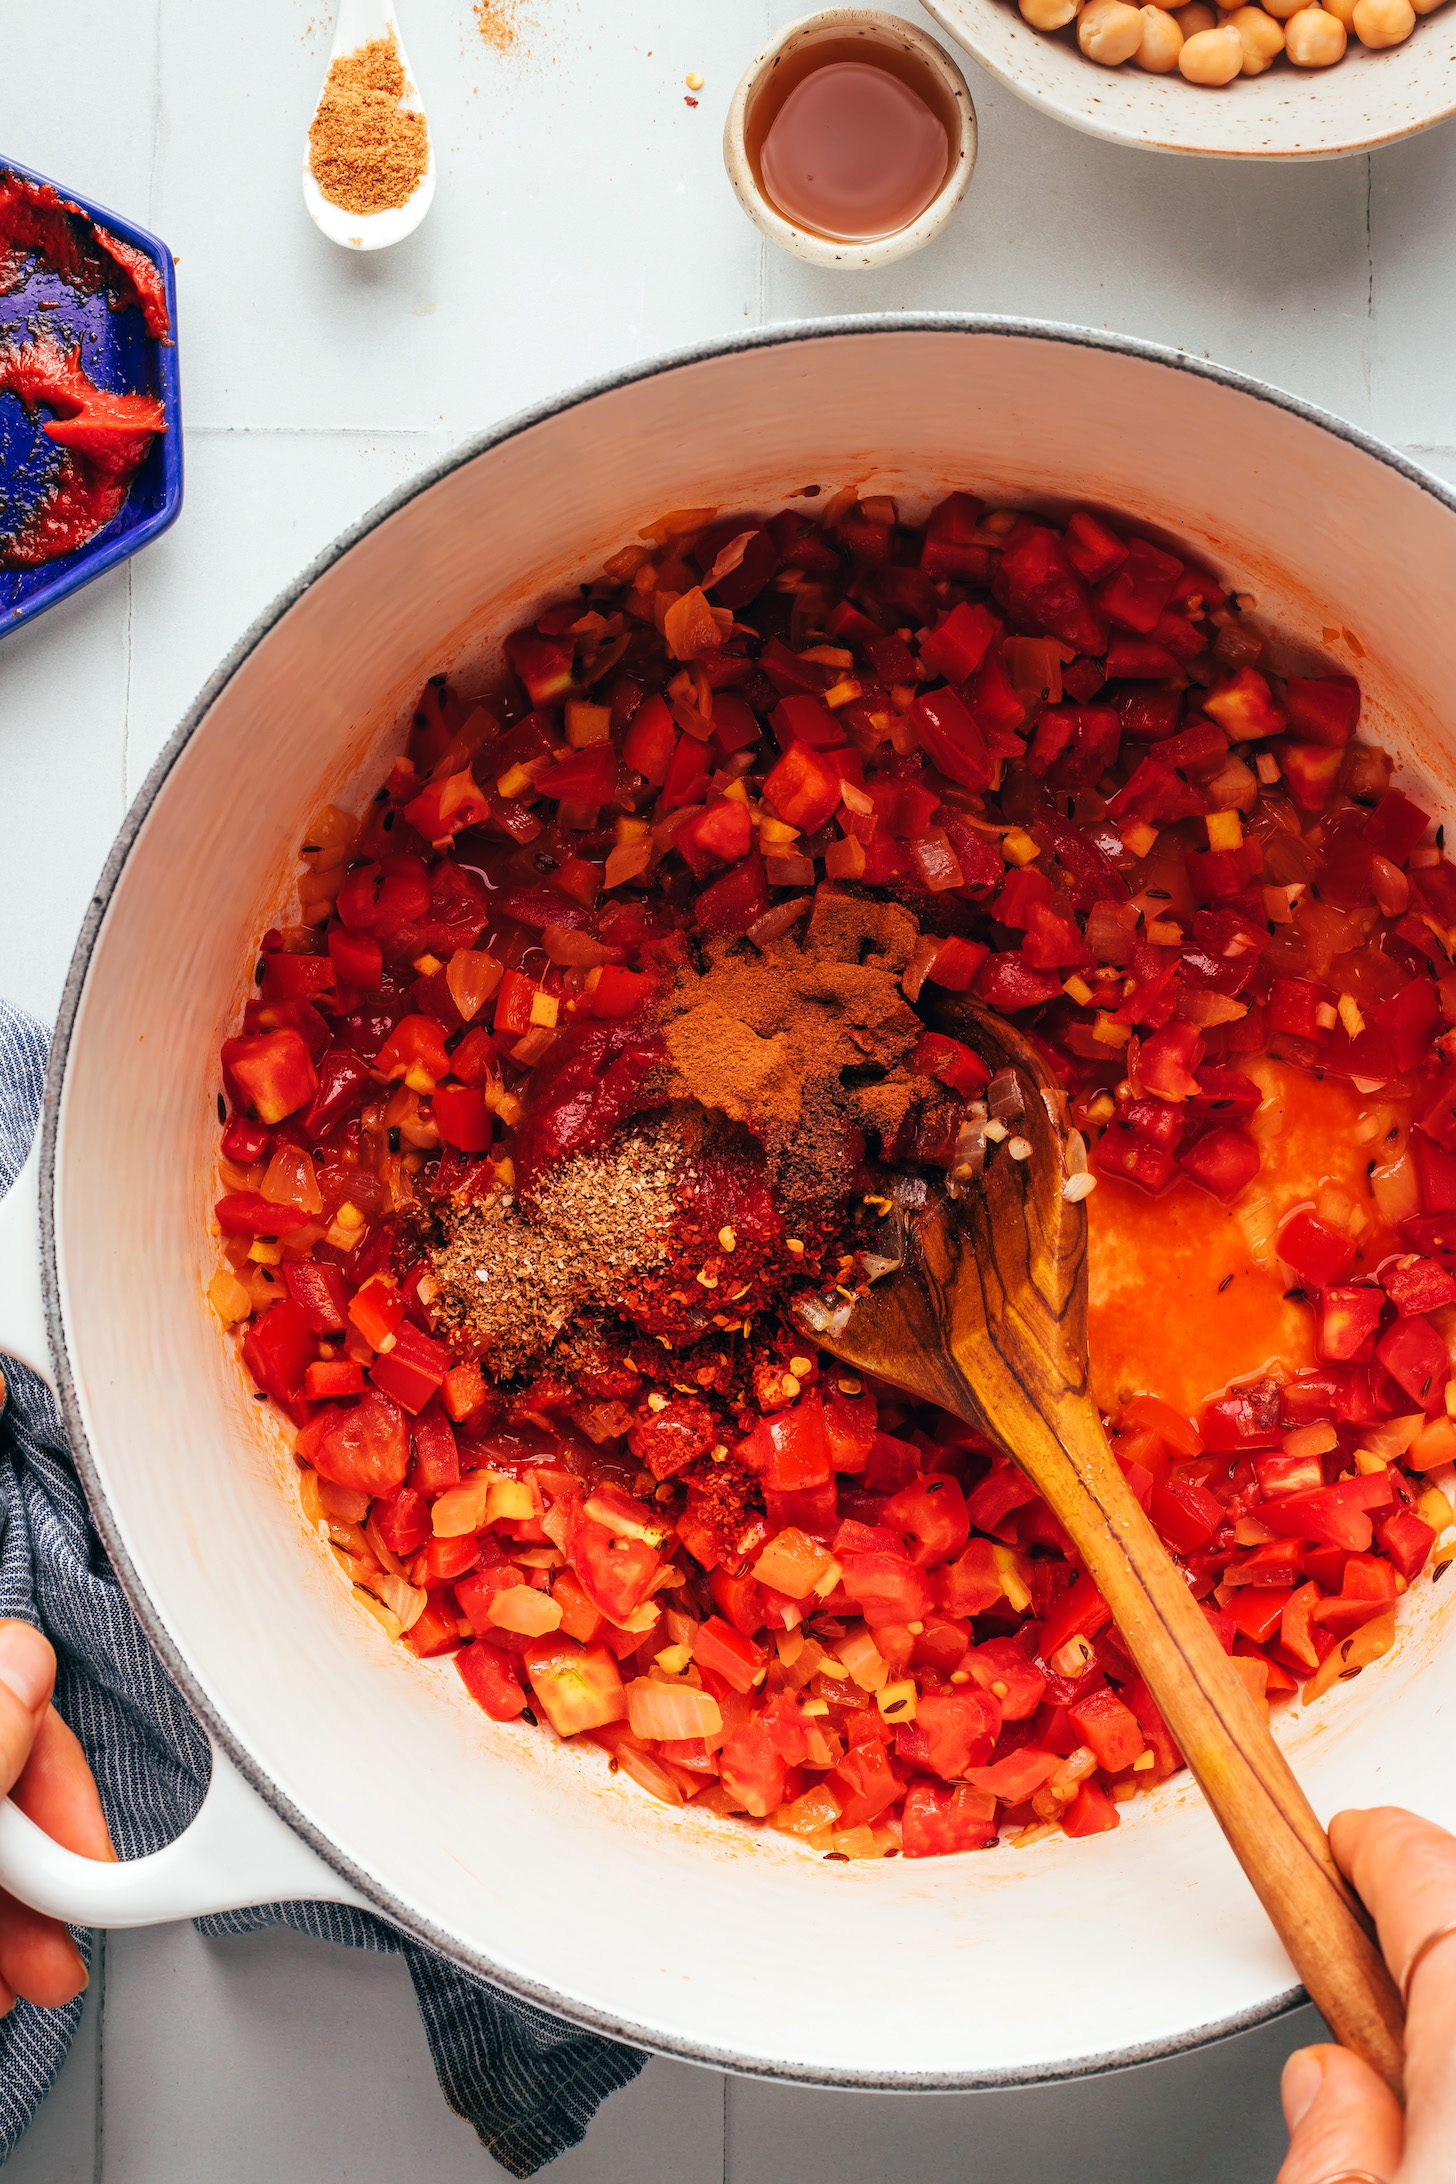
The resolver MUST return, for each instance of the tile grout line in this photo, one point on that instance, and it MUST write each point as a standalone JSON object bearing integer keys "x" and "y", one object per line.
{"x": 156, "y": 114}
{"x": 98, "y": 2162}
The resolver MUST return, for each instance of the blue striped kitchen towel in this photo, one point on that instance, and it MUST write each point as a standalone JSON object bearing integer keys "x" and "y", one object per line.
{"x": 528, "y": 2083}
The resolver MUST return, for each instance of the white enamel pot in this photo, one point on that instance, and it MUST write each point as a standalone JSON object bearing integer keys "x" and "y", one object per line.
{"x": 345, "y": 1768}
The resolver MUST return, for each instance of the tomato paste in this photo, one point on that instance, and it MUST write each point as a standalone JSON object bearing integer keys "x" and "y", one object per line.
{"x": 36, "y": 221}
{"x": 103, "y": 439}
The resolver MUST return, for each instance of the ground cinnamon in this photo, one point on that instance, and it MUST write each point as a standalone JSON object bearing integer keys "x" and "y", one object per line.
{"x": 805, "y": 1038}
{"x": 366, "y": 152}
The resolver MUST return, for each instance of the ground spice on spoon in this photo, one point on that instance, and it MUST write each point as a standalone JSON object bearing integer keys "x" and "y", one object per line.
{"x": 366, "y": 152}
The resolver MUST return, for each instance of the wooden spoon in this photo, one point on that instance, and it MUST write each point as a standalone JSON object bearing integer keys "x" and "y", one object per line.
{"x": 987, "y": 1316}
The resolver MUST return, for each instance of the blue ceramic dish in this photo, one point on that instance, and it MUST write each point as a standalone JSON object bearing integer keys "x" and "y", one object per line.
{"x": 120, "y": 355}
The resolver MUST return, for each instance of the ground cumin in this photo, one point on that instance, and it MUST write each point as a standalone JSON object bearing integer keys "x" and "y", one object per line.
{"x": 803, "y": 1038}
{"x": 365, "y": 151}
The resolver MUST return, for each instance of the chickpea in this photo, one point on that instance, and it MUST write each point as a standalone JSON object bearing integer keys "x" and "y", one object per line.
{"x": 1345, "y": 9}
{"x": 1195, "y": 17}
{"x": 1110, "y": 31}
{"x": 1212, "y": 56}
{"x": 1162, "y": 41}
{"x": 1259, "y": 35}
{"x": 1048, "y": 14}
{"x": 1426, "y": 7}
{"x": 1383, "y": 22}
{"x": 1313, "y": 38}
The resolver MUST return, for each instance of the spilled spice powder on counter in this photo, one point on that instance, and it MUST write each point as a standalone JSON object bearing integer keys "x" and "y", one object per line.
{"x": 804, "y": 1040}
{"x": 366, "y": 152}
{"x": 499, "y": 24}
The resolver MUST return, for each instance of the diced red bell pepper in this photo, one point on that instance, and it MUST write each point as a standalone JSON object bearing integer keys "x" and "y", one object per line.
{"x": 949, "y": 550}
{"x": 1335, "y": 1516}
{"x": 1247, "y": 1417}
{"x": 1395, "y": 826}
{"x": 1136, "y": 594}
{"x": 319, "y": 1291}
{"x": 1311, "y": 771}
{"x": 296, "y": 977}
{"x": 1409, "y": 1022}
{"x": 1293, "y": 1003}
{"x": 1348, "y": 1318}
{"x": 327, "y": 1380}
{"x": 1244, "y": 706}
{"x": 803, "y": 717}
{"x": 1093, "y": 550}
{"x": 1016, "y": 1683}
{"x": 1081, "y": 1612}
{"x": 462, "y": 1117}
{"x": 952, "y": 1063}
{"x": 1222, "y": 1161}
{"x": 791, "y": 1449}
{"x": 273, "y": 1071}
{"x": 951, "y": 738}
{"x": 437, "y": 1631}
{"x": 647, "y": 747}
{"x": 1168, "y": 1060}
{"x": 587, "y": 776}
{"x": 1133, "y": 1158}
{"x": 1007, "y": 982}
{"x": 1416, "y": 1358}
{"x": 1322, "y": 708}
{"x": 1406, "y": 1540}
{"x": 728, "y": 1653}
{"x": 415, "y": 1050}
{"x": 720, "y": 834}
{"x": 803, "y": 788}
{"x": 1436, "y": 1172}
{"x": 953, "y": 1731}
{"x": 1258, "y": 1610}
{"x": 686, "y": 779}
{"x": 740, "y": 898}
{"x": 1186, "y": 1514}
{"x": 404, "y": 1521}
{"x": 278, "y": 1348}
{"x": 244, "y": 1141}
{"x": 249, "y": 1213}
{"x": 1315, "y": 1250}
{"x": 544, "y": 664}
{"x": 437, "y": 1455}
{"x": 959, "y": 642}
{"x": 489, "y": 1675}
{"x": 445, "y": 808}
{"x": 957, "y": 964}
{"x": 515, "y": 998}
{"x": 412, "y": 1370}
{"x": 342, "y": 1077}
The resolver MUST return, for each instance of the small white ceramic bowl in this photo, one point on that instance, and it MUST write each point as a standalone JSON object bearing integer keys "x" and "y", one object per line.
{"x": 876, "y": 28}
{"x": 1289, "y": 113}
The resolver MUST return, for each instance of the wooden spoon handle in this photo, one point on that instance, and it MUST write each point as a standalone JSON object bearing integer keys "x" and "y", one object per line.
{"x": 1221, "y": 1732}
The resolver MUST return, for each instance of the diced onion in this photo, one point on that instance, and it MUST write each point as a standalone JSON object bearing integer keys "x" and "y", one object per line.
{"x": 403, "y": 1600}
{"x": 671, "y": 1711}
{"x": 776, "y": 922}
{"x": 290, "y": 1180}
{"x": 862, "y": 1657}
{"x": 462, "y": 1509}
{"x": 472, "y": 976}
{"x": 524, "y": 1609}
{"x": 649, "y": 1774}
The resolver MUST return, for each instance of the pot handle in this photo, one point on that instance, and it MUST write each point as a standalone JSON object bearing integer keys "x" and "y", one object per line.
{"x": 236, "y": 1852}
{"x": 22, "y": 1308}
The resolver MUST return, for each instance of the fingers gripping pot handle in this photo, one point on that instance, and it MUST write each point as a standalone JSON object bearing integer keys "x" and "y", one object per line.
{"x": 237, "y": 1851}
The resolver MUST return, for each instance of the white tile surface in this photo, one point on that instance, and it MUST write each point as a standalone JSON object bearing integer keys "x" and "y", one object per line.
{"x": 582, "y": 220}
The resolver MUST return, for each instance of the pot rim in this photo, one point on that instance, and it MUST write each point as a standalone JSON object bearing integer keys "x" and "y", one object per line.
{"x": 158, "y": 1635}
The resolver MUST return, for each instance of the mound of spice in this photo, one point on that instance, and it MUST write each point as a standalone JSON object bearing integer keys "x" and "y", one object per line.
{"x": 366, "y": 151}
{"x": 807, "y": 1042}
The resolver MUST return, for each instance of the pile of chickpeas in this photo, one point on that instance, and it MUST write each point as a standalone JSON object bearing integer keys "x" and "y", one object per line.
{"x": 1213, "y": 45}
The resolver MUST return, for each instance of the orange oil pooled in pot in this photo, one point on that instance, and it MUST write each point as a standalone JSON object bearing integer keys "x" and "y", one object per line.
{"x": 852, "y": 139}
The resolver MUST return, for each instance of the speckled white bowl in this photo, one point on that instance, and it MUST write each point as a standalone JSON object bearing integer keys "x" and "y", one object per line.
{"x": 1288, "y": 113}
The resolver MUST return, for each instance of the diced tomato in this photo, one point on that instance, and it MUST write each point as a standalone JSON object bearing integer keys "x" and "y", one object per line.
{"x": 950, "y": 549}
{"x": 865, "y": 1783}
{"x": 415, "y": 1050}
{"x": 938, "y": 1823}
{"x": 1222, "y": 1161}
{"x": 249, "y": 1213}
{"x": 613, "y": 993}
{"x": 973, "y": 1583}
{"x": 802, "y": 788}
{"x": 358, "y": 960}
{"x": 752, "y": 1768}
{"x": 791, "y": 1449}
{"x": 1091, "y": 1811}
{"x": 436, "y": 1632}
{"x": 437, "y": 1456}
{"x": 933, "y": 1513}
{"x": 889, "y": 1588}
{"x": 404, "y": 1521}
{"x": 1186, "y": 1514}
{"x": 366, "y": 1447}
{"x": 1395, "y": 826}
{"x": 740, "y": 898}
{"x": 1110, "y": 1730}
{"x": 579, "y": 1687}
{"x": 1322, "y": 708}
{"x": 1244, "y": 705}
{"x": 1416, "y": 1358}
{"x": 325, "y": 1382}
{"x": 952, "y": 1732}
{"x": 1014, "y": 1682}
{"x": 1407, "y": 1540}
{"x": 1348, "y": 1318}
{"x": 1081, "y": 1612}
{"x": 377, "y": 899}
{"x": 959, "y": 642}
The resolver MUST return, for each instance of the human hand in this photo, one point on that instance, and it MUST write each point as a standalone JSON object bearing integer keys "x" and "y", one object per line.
{"x": 43, "y": 1768}
{"x": 1344, "y": 2122}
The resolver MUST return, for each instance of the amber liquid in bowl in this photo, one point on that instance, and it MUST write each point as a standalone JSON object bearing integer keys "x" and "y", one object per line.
{"x": 852, "y": 139}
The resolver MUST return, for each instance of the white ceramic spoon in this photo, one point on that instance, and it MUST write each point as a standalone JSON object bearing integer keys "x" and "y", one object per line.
{"x": 359, "y": 23}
